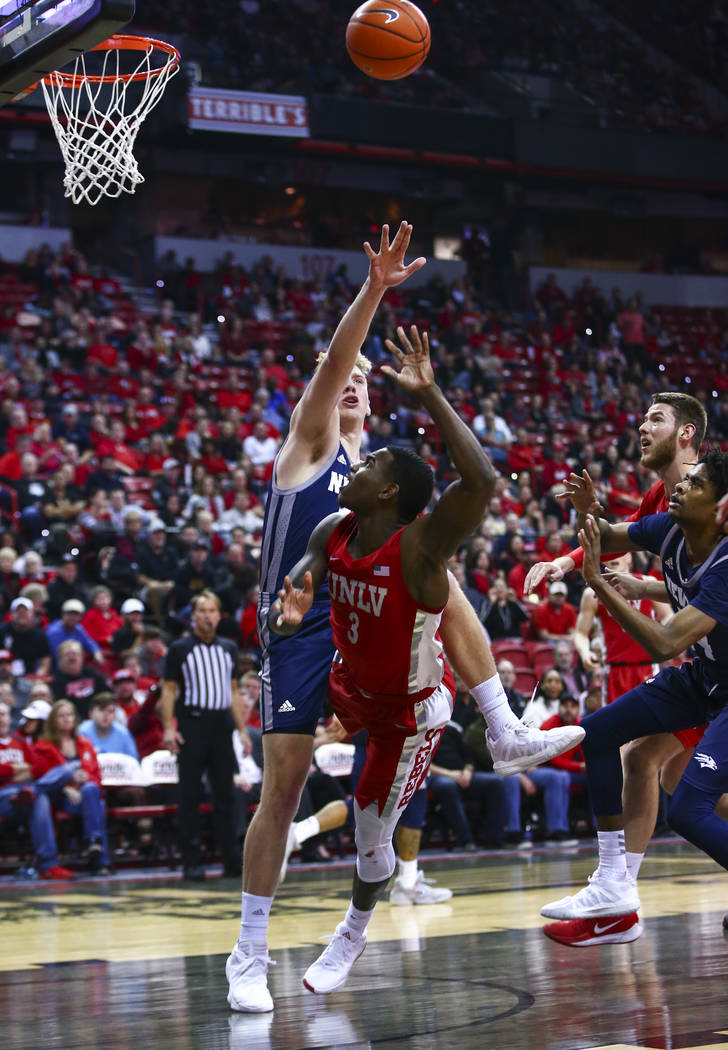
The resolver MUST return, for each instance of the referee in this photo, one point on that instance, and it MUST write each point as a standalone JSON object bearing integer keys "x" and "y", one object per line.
{"x": 201, "y": 687}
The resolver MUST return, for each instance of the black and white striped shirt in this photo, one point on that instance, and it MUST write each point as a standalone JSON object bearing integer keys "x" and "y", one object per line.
{"x": 202, "y": 672}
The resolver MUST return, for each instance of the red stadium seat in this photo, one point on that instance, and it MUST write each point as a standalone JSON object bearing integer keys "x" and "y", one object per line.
{"x": 525, "y": 681}
{"x": 513, "y": 650}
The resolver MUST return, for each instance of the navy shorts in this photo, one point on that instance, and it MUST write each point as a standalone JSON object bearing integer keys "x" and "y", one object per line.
{"x": 681, "y": 697}
{"x": 295, "y": 676}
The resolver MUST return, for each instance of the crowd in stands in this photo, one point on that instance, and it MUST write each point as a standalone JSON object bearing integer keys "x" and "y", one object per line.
{"x": 693, "y": 32}
{"x": 135, "y": 452}
{"x": 298, "y": 47}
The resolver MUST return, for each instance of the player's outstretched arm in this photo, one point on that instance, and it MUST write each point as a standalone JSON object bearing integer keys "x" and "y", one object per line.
{"x": 316, "y": 413}
{"x": 547, "y": 570}
{"x": 461, "y": 507}
{"x": 582, "y": 631}
{"x": 662, "y": 641}
{"x": 300, "y": 585}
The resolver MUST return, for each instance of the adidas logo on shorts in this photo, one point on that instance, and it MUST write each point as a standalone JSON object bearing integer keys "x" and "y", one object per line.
{"x": 286, "y": 707}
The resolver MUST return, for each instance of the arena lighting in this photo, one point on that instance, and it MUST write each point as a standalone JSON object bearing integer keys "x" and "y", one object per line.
{"x": 588, "y": 331}
{"x": 289, "y": 191}
{"x": 662, "y": 368}
{"x": 688, "y": 379}
{"x": 393, "y": 415}
{"x": 514, "y": 477}
{"x": 289, "y": 357}
{"x": 221, "y": 318}
{"x": 715, "y": 393}
{"x": 420, "y": 430}
{"x": 160, "y": 284}
{"x": 74, "y": 551}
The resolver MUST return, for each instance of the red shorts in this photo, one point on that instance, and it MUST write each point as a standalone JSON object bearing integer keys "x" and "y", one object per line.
{"x": 690, "y": 737}
{"x": 403, "y": 736}
{"x": 623, "y": 677}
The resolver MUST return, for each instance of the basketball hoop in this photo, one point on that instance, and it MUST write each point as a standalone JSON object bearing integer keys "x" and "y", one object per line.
{"x": 96, "y": 116}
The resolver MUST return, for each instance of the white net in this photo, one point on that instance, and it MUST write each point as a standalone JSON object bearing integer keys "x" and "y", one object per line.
{"x": 96, "y": 117}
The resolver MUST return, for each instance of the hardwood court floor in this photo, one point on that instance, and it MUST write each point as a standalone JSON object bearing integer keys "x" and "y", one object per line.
{"x": 139, "y": 965}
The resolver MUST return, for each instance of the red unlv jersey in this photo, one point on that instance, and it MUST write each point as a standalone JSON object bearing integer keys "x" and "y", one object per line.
{"x": 389, "y": 643}
{"x": 620, "y": 647}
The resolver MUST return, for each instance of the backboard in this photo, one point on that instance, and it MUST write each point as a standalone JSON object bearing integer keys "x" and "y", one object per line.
{"x": 38, "y": 36}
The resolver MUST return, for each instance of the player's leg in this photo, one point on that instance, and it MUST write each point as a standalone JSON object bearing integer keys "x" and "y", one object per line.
{"x": 642, "y": 761}
{"x": 395, "y": 767}
{"x": 286, "y": 762}
{"x": 691, "y": 810}
{"x": 514, "y": 747}
{"x": 335, "y": 814}
{"x": 666, "y": 703}
{"x": 294, "y": 680}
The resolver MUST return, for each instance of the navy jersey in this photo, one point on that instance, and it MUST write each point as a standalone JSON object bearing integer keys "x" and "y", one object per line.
{"x": 291, "y": 515}
{"x": 703, "y": 586}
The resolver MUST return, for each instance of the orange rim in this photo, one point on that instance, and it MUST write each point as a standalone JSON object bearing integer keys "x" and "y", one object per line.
{"x": 118, "y": 43}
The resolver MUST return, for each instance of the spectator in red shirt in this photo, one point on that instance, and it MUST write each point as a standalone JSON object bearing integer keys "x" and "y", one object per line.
{"x": 571, "y": 762}
{"x": 10, "y": 468}
{"x": 555, "y": 618}
{"x": 522, "y": 455}
{"x": 101, "y": 620}
{"x": 623, "y": 496}
{"x": 232, "y": 395}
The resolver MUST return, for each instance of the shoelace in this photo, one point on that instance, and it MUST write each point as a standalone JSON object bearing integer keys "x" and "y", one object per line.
{"x": 335, "y": 952}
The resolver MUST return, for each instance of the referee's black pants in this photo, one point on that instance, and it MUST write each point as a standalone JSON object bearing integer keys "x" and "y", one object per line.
{"x": 207, "y": 748}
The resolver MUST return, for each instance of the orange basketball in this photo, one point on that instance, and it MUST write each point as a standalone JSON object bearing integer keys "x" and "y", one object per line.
{"x": 388, "y": 39}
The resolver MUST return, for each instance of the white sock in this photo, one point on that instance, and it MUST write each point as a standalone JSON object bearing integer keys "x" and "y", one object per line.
{"x": 407, "y": 873}
{"x": 612, "y": 856}
{"x": 254, "y": 915}
{"x": 493, "y": 703}
{"x": 357, "y": 921}
{"x": 306, "y": 829}
{"x": 634, "y": 862}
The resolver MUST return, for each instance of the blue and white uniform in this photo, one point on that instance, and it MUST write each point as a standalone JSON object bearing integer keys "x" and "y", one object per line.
{"x": 676, "y": 698}
{"x": 296, "y": 668}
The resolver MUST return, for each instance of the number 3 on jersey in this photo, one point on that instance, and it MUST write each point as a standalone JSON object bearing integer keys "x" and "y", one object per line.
{"x": 353, "y": 633}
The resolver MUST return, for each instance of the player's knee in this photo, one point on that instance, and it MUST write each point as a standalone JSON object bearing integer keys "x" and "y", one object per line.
{"x": 686, "y": 808}
{"x": 376, "y": 862}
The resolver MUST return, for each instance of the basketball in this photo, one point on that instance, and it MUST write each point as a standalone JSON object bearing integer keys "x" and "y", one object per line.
{"x": 388, "y": 39}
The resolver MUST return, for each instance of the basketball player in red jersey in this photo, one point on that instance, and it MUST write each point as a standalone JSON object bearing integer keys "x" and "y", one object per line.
{"x": 388, "y": 584}
{"x": 627, "y": 663}
{"x": 671, "y": 435}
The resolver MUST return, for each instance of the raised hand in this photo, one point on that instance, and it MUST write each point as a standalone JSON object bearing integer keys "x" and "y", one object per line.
{"x": 581, "y": 492}
{"x": 627, "y": 585}
{"x": 415, "y": 372}
{"x": 590, "y": 539}
{"x": 387, "y": 267}
{"x": 294, "y": 602}
{"x": 542, "y": 570}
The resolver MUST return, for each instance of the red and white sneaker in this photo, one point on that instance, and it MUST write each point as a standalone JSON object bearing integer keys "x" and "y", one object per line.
{"x": 581, "y": 933}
